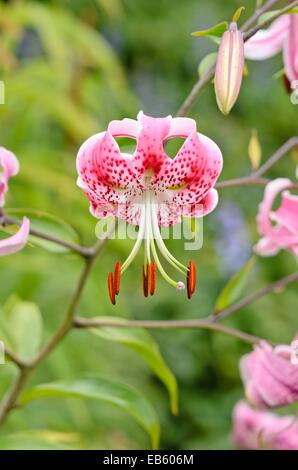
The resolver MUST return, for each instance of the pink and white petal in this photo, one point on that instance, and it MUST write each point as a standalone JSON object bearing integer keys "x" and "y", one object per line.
{"x": 266, "y": 43}
{"x": 182, "y": 127}
{"x": 290, "y": 50}
{"x": 104, "y": 171}
{"x": 124, "y": 128}
{"x": 183, "y": 168}
{"x": 9, "y": 163}
{"x": 271, "y": 192}
{"x": 17, "y": 241}
{"x": 287, "y": 214}
{"x": 208, "y": 167}
{"x": 204, "y": 206}
{"x": 169, "y": 214}
{"x": 150, "y": 155}
{"x": 9, "y": 166}
{"x": 267, "y": 247}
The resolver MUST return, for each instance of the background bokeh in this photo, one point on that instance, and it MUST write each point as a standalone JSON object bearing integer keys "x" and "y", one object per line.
{"x": 69, "y": 68}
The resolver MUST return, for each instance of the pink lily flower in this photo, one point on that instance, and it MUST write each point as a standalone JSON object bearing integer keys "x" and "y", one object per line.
{"x": 148, "y": 188}
{"x": 10, "y": 167}
{"x": 253, "y": 429}
{"x": 282, "y": 35}
{"x": 270, "y": 375}
{"x": 284, "y": 233}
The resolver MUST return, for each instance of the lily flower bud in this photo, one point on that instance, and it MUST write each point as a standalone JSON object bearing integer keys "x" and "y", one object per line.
{"x": 229, "y": 68}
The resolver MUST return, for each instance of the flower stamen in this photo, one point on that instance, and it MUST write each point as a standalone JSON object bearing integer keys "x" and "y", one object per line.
{"x": 191, "y": 279}
{"x": 117, "y": 277}
{"x": 111, "y": 288}
{"x": 152, "y": 278}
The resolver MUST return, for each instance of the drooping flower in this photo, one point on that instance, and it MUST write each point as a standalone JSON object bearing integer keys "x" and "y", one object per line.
{"x": 10, "y": 167}
{"x": 284, "y": 233}
{"x": 281, "y": 35}
{"x": 229, "y": 68}
{"x": 148, "y": 188}
{"x": 270, "y": 375}
{"x": 253, "y": 429}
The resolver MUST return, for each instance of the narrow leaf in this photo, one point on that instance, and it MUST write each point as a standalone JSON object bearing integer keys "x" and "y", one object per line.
{"x": 105, "y": 390}
{"x": 216, "y": 30}
{"x": 238, "y": 13}
{"x": 207, "y": 62}
{"x": 142, "y": 342}
{"x": 233, "y": 289}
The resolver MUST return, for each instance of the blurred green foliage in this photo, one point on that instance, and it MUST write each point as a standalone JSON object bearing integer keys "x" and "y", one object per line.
{"x": 69, "y": 68}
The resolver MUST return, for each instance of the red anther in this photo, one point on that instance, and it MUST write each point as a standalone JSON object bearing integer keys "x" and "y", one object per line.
{"x": 111, "y": 288}
{"x": 191, "y": 279}
{"x": 152, "y": 277}
{"x": 145, "y": 280}
{"x": 117, "y": 275}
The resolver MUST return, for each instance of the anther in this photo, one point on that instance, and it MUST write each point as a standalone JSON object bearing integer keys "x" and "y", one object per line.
{"x": 116, "y": 277}
{"x": 191, "y": 279}
{"x": 152, "y": 277}
{"x": 111, "y": 288}
{"x": 145, "y": 280}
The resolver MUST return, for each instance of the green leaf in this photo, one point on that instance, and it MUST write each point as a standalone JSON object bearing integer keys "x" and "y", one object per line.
{"x": 271, "y": 14}
{"x": 142, "y": 342}
{"x": 105, "y": 390}
{"x": 207, "y": 62}
{"x": 235, "y": 286}
{"x": 50, "y": 224}
{"x": 214, "y": 31}
{"x": 21, "y": 326}
{"x": 33, "y": 440}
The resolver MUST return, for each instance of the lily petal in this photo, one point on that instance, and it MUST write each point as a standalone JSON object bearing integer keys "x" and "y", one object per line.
{"x": 10, "y": 167}
{"x": 150, "y": 154}
{"x": 267, "y": 43}
{"x": 253, "y": 429}
{"x": 17, "y": 241}
{"x": 290, "y": 50}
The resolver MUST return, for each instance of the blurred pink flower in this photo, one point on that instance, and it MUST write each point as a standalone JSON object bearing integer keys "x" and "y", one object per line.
{"x": 270, "y": 375}
{"x": 253, "y": 429}
{"x": 10, "y": 167}
{"x": 284, "y": 233}
{"x": 281, "y": 35}
{"x": 148, "y": 188}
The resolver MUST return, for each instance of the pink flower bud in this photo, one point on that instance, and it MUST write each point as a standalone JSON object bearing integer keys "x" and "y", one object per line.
{"x": 229, "y": 68}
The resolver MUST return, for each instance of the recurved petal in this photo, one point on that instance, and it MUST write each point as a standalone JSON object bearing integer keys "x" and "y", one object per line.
{"x": 271, "y": 192}
{"x": 17, "y": 241}
{"x": 287, "y": 214}
{"x": 290, "y": 50}
{"x": 270, "y": 378}
{"x": 9, "y": 166}
{"x": 150, "y": 155}
{"x": 266, "y": 43}
{"x": 205, "y": 169}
